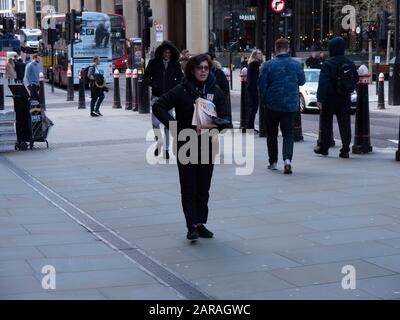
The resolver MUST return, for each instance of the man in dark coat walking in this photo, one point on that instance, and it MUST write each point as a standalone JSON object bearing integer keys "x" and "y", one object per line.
{"x": 163, "y": 73}
{"x": 20, "y": 67}
{"x": 332, "y": 101}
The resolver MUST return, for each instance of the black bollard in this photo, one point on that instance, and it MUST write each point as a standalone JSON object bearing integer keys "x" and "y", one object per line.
{"x": 362, "y": 139}
{"x": 42, "y": 97}
{"x": 70, "y": 85}
{"x": 243, "y": 100}
{"x": 82, "y": 96}
{"x": 381, "y": 92}
{"x": 140, "y": 91}
{"x": 398, "y": 148}
{"x": 144, "y": 105}
{"x": 117, "y": 91}
{"x": 128, "y": 100}
{"x": 135, "y": 90}
{"x": 1, "y": 96}
{"x": 298, "y": 128}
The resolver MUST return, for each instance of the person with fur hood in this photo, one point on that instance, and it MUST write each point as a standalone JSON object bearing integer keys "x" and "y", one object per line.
{"x": 163, "y": 73}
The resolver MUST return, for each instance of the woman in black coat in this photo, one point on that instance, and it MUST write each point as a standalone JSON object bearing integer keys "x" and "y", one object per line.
{"x": 195, "y": 176}
{"x": 253, "y": 101}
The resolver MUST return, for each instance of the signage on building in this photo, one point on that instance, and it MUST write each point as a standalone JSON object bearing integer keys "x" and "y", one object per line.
{"x": 278, "y": 6}
{"x": 377, "y": 59}
{"x": 247, "y": 17}
{"x": 159, "y": 33}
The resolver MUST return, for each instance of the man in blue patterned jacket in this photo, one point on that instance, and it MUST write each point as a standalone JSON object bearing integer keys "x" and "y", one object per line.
{"x": 279, "y": 83}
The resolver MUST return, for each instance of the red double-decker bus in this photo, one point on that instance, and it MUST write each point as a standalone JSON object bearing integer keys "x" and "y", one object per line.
{"x": 118, "y": 41}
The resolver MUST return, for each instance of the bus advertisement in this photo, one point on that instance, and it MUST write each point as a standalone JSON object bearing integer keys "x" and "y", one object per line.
{"x": 118, "y": 41}
{"x": 94, "y": 40}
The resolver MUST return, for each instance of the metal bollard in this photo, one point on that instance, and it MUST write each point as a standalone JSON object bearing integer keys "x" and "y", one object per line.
{"x": 298, "y": 128}
{"x": 135, "y": 106}
{"x": 398, "y": 148}
{"x": 381, "y": 92}
{"x": 42, "y": 98}
{"x": 117, "y": 91}
{"x": 362, "y": 139}
{"x": 1, "y": 96}
{"x": 70, "y": 86}
{"x": 143, "y": 92}
{"x": 243, "y": 100}
{"x": 128, "y": 101}
{"x": 82, "y": 93}
{"x": 140, "y": 90}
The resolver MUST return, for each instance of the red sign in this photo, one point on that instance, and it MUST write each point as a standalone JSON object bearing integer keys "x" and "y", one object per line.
{"x": 278, "y": 6}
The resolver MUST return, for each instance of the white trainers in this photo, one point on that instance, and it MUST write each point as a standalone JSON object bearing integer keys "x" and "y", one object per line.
{"x": 288, "y": 167}
{"x": 273, "y": 166}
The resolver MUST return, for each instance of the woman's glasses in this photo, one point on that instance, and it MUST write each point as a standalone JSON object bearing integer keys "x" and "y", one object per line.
{"x": 203, "y": 68}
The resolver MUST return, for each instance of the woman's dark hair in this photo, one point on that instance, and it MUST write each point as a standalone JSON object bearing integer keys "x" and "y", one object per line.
{"x": 195, "y": 62}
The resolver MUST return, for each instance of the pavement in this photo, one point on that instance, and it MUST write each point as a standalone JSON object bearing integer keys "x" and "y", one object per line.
{"x": 112, "y": 226}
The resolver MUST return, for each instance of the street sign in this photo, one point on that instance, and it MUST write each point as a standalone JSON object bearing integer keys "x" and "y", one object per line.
{"x": 278, "y": 6}
{"x": 377, "y": 59}
{"x": 159, "y": 33}
{"x": 358, "y": 30}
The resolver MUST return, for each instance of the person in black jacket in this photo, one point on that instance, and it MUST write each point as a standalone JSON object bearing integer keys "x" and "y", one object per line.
{"x": 20, "y": 67}
{"x": 313, "y": 62}
{"x": 162, "y": 74}
{"x": 222, "y": 82}
{"x": 195, "y": 176}
{"x": 253, "y": 72}
{"x": 331, "y": 101}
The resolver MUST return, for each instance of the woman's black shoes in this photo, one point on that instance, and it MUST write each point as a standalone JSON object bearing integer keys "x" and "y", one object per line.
{"x": 199, "y": 232}
{"x": 193, "y": 234}
{"x": 204, "y": 232}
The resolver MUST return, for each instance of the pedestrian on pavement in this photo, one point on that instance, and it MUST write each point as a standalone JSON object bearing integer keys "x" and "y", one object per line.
{"x": 162, "y": 74}
{"x": 337, "y": 81}
{"x": 312, "y": 62}
{"x": 278, "y": 84}
{"x": 20, "y": 67}
{"x": 97, "y": 85}
{"x": 244, "y": 61}
{"x": 221, "y": 81}
{"x": 195, "y": 177}
{"x": 32, "y": 76}
{"x": 11, "y": 74}
{"x": 184, "y": 58}
{"x": 322, "y": 60}
{"x": 253, "y": 73}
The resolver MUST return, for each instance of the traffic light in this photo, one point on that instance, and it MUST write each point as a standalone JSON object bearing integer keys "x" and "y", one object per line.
{"x": 51, "y": 36}
{"x": 372, "y": 31}
{"x": 68, "y": 27}
{"x": 148, "y": 14}
{"x": 8, "y": 24}
{"x": 77, "y": 22}
{"x": 235, "y": 25}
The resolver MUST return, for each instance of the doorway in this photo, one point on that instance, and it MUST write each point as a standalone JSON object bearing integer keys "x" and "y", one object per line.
{"x": 177, "y": 23}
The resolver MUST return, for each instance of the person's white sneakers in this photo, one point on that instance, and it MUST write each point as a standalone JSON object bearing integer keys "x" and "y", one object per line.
{"x": 273, "y": 166}
{"x": 288, "y": 167}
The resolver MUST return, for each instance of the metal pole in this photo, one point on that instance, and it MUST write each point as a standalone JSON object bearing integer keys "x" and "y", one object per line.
{"x": 1, "y": 96}
{"x": 52, "y": 68}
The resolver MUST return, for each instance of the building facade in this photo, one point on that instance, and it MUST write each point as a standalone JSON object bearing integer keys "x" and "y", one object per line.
{"x": 201, "y": 25}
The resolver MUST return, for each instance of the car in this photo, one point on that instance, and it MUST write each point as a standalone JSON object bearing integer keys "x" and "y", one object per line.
{"x": 308, "y": 92}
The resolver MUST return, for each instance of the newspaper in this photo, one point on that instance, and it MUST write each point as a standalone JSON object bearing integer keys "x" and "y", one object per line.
{"x": 204, "y": 113}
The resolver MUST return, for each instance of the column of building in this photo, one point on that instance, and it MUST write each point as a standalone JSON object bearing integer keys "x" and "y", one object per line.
{"x": 62, "y": 6}
{"x": 30, "y": 6}
{"x": 108, "y": 6}
{"x": 197, "y": 25}
{"x": 131, "y": 18}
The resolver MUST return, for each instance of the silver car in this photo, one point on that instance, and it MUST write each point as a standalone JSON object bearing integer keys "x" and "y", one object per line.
{"x": 308, "y": 92}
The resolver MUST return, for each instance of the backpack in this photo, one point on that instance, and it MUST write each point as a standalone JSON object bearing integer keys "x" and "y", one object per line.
{"x": 345, "y": 80}
{"x": 85, "y": 75}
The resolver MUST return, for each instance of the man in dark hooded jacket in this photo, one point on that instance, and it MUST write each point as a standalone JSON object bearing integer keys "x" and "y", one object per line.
{"x": 163, "y": 73}
{"x": 331, "y": 100}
